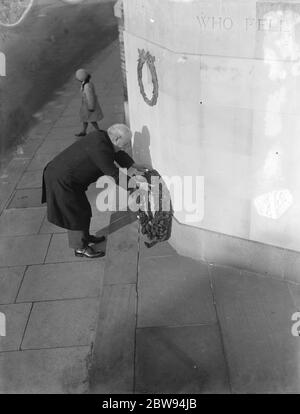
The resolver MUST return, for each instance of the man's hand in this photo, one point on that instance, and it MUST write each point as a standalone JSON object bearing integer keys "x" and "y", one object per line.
{"x": 141, "y": 167}
{"x": 142, "y": 183}
{"x": 144, "y": 186}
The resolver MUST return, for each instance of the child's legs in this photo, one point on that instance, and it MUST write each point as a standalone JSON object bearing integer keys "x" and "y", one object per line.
{"x": 95, "y": 125}
{"x": 83, "y": 132}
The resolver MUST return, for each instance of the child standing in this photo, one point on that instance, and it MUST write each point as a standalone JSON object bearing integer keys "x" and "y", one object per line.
{"x": 90, "y": 110}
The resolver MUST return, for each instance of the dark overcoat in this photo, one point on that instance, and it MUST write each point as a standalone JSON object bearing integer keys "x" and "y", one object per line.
{"x": 67, "y": 177}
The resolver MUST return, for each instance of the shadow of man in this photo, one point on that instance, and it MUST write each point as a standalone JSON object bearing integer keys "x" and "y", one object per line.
{"x": 141, "y": 147}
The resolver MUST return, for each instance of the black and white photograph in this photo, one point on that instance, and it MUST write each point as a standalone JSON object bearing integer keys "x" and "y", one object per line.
{"x": 149, "y": 200}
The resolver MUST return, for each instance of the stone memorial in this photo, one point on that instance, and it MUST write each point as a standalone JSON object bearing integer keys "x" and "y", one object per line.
{"x": 218, "y": 97}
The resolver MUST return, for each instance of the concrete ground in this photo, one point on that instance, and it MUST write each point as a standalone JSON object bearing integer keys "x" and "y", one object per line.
{"x": 50, "y": 297}
{"x": 140, "y": 320}
{"x": 170, "y": 324}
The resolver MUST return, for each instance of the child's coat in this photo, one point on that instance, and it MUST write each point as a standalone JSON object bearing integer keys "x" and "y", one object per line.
{"x": 90, "y": 101}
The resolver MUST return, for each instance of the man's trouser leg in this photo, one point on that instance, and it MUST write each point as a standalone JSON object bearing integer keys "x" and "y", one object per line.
{"x": 78, "y": 239}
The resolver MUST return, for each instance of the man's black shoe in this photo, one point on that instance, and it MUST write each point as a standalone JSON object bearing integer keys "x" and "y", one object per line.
{"x": 81, "y": 134}
{"x": 95, "y": 239}
{"x": 88, "y": 252}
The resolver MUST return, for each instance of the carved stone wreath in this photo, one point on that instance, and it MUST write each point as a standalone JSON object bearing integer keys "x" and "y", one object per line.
{"x": 146, "y": 57}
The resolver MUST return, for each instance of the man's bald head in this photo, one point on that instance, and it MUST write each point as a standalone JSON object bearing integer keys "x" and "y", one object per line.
{"x": 120, "y": 135}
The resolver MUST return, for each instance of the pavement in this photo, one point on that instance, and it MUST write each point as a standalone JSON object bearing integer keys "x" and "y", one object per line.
{"x": 171, "y": 324}
{"x": 49, "y": 297}
{"x": 139, "y": 320}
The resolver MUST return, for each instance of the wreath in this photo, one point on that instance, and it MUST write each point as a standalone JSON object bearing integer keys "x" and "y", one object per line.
{"x": 146, "y": 57}
{"x": 155, "y": 221}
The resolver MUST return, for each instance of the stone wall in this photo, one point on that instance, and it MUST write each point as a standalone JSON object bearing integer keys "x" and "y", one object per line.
{"x": 227, "y": 110}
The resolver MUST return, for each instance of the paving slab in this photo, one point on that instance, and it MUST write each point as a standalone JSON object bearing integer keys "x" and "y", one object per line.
{"x": 37, "y": 137}
{"x": 23, "y": 250}
{"x": 174, "y": 291}
{"x": 21, "y": 221}
{"x": 72, "y": 109}
{"x": 40, "y": 130}
{"x": 122, "y": 255}
{"x": 64, "y": 133}
{"x": 26, "y": 198}
{"x": 113, "y": 355}
{"x": 54, "y": 108}
{"x": 33, "y": 135}
{"x": 55, "y": 147}
{"x": 62, "y": 281}
{"x": 61, "y": 324}
{"x": 39, "y": 161}
{"x": 16, "y": 320}
{"x": 49, "y": 228}
{"x": 54, "y": 322}
{"x": 59, "y": 250}
{"x": 67, "y": 122}
{"x": 9, "y": 178}
{"x": 10, "y": 281}
{"x": 31, "y": 179}
{"x": 185, "y": 360}
{"x": 255, "y": 316}
{"x": 46, "y": 119}
{"x": 47, "y": 371}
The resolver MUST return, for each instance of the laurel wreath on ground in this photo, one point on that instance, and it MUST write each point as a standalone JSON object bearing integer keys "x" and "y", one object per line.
{"x": 155, "y": 220}
{"x": 146, "y": 57}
